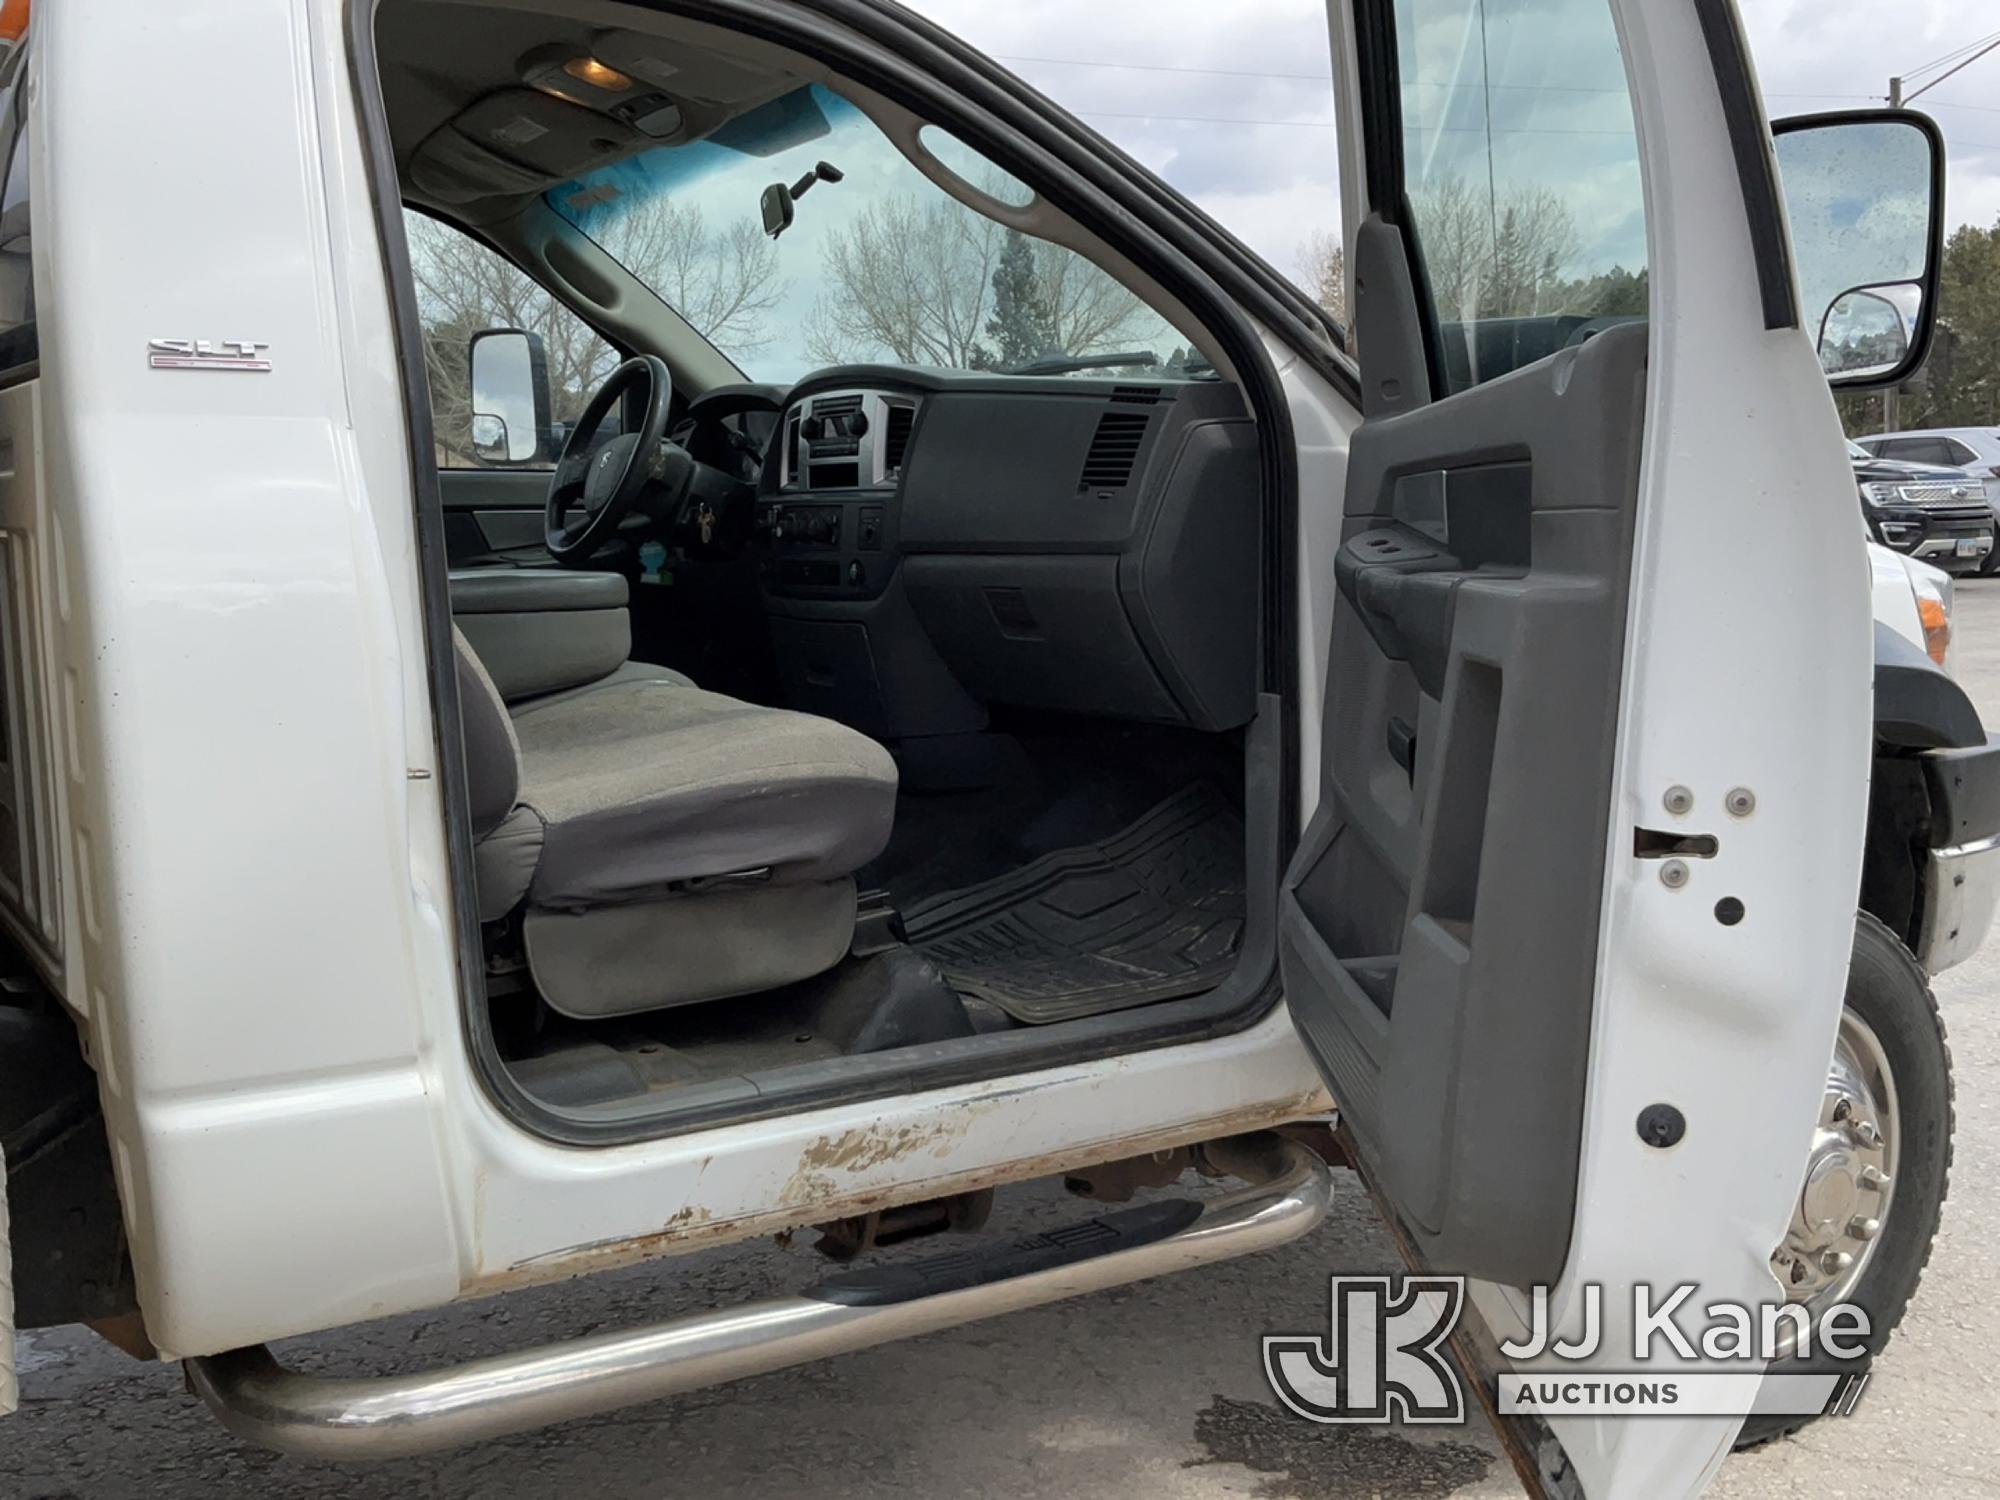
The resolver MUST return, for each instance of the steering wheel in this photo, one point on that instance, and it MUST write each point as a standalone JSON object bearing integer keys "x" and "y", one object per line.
{"x": 606, "y": 483}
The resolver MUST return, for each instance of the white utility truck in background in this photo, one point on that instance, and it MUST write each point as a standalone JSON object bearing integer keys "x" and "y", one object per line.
{"x": 631, "y": 625}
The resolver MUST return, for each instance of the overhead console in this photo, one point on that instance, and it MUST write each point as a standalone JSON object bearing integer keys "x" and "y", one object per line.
{"x": 556, "y": 110}
{"x": 1080, "y": 546}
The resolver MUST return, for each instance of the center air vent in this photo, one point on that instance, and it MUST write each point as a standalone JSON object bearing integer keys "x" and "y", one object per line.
{"x": 896, "y": 436}
{"x": 1114, "y": 449}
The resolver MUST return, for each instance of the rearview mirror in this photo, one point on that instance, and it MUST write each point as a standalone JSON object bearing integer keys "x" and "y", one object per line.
{"x": 777, "y": 209}
{"x": 778, "y": 200}
{"x": 510, "y": 397}
{"x": 1865, "y": 194}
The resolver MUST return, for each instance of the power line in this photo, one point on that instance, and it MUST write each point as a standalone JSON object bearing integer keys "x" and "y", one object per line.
{"x": 1952, "y": 56}
{"x": 1325, "y": 78}
{"x": 1107, "y": 114}
{"x": 1082, "y": 62}
{"x": 1132, "y": 67}
{"x": 1408, "y": 83}
{"x": 1967, "y": 57}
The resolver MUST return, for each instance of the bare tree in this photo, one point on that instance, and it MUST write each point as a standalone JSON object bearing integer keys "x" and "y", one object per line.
{"x": 723, "y": 282}
{"x": 463, "y": 287}
{"x": 913, "y": 280}
{"x": 1092, "y": 313}
{"x": 1322, "y": 271}
{"x": 1493, "y": 255}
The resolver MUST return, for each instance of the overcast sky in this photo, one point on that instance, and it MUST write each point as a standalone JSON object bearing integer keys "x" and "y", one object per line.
{"x": 1230, "y": 101}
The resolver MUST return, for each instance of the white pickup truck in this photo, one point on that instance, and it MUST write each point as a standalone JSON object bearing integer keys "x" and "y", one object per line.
{"x": 630, "y": 626}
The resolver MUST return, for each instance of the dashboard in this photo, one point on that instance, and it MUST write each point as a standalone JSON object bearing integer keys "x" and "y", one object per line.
{"x": 931, "y": 544}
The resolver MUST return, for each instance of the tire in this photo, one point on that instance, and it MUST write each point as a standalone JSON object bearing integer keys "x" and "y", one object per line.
{"x": 1889, "y": 991}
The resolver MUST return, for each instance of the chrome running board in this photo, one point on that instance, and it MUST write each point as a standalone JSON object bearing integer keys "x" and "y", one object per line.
{"x": 391, "y": 1416}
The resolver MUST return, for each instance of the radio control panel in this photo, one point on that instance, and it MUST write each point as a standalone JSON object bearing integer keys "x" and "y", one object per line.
{"x": 839, "y": 550}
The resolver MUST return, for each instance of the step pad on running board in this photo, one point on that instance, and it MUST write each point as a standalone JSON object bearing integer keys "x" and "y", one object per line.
{"x": 955, "y": 1270}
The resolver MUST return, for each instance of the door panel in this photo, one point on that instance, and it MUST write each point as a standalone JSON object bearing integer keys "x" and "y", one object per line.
{"x": 1559, "y": 656}
{"x": 1441, "y": 916}
{"x": 494, "y": 515}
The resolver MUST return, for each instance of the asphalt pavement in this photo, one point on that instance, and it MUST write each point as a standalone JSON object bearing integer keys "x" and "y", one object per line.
{"x": 1149, "y": 1390}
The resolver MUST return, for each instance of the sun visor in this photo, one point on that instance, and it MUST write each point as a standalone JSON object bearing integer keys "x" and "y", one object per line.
{"x": 552, "y": 138}
{"x": 448, "y": 168}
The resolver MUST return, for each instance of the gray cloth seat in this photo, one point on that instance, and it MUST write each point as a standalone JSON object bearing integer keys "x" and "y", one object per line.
{"x": 666, "y": 844}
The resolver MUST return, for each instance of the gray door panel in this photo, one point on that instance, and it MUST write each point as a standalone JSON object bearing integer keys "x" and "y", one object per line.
{"x": 494, "y": 516}
{"x": 1439, "y": 921}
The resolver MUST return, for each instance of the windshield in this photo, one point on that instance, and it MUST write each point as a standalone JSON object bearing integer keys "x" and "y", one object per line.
{"x": 881, "y": 264}
{"x": 1855, "y": 450}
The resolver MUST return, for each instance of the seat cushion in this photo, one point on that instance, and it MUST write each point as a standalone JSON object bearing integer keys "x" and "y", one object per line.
{"x": 628, "y": 671}
{"x": 644, "y": 783}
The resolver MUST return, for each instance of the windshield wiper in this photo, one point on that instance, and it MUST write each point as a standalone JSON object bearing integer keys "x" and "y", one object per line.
{"x": 1069, "y": 364}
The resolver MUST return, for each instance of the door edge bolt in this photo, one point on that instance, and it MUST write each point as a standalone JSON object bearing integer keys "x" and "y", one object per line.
{"x": 1678, "y": 800}
{"x": 1674, "y": 874}
{"x": 1740, "y": 802}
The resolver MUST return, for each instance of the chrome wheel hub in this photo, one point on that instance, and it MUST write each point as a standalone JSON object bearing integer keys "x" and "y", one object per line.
{"x": 1850, "y": 1175}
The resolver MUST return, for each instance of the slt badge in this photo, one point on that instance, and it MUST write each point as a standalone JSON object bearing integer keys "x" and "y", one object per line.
{"x": 200, "y": 354}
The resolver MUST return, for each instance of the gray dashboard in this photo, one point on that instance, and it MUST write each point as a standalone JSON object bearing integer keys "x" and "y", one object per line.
{"x": 934, "y": 543}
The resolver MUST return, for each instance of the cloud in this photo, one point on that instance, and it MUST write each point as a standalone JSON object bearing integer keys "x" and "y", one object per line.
{"x": 1232, "y": 103}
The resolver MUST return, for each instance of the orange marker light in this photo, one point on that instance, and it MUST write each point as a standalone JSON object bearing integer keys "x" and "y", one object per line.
{"x": 1937, "y": 628}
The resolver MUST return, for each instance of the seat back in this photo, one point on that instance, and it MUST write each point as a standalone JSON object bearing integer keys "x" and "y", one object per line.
{"x": 492, "y": 754}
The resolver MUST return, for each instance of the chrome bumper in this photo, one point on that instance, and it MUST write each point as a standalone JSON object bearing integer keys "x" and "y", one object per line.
{"x": 1947, "y": 546}
{"x": 1961, "y": 892}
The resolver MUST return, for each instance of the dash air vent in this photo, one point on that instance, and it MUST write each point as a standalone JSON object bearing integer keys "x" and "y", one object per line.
{"x": 1114, "y": 449}
{"x": 896, "y": 436}
{"x": 1136, "y": 395}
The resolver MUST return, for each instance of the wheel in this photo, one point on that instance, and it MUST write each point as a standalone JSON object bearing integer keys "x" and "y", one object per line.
{"x": 1874, "y": 1187}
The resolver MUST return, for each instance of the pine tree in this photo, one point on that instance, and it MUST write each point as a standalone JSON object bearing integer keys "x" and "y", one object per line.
{"x": 1022, "y": 326}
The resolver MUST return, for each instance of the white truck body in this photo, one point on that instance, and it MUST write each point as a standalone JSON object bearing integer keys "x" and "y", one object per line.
{"x": 235, "y": 867}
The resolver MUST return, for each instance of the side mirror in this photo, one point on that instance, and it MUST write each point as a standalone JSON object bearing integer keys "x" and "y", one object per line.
{"x": 510, "y": 397}
{"x": 1864, "y": 190}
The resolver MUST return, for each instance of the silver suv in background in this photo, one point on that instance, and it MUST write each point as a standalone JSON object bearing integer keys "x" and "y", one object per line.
{"x": 1973, "y": 449}
{"x": 1923, "y": 510}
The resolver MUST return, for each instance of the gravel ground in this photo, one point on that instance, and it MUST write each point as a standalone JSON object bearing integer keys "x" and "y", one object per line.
{"x": 1152, "y": 1390}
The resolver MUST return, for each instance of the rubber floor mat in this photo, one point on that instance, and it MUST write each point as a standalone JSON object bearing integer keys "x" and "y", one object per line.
{"x": 1151, "y": 913}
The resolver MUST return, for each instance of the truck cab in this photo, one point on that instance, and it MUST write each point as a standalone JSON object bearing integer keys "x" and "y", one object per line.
{"x": 633, "y": 627}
